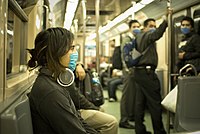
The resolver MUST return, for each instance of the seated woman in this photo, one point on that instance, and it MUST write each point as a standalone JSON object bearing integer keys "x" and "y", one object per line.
{"x": 52, "y": 109}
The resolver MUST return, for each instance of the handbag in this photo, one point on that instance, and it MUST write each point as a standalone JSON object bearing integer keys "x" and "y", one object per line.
{"x": 169, "y": 102}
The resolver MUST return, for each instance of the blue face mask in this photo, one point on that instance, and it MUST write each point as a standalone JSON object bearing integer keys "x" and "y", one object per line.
{"x": 136, "y": 31}
{"x": 185, "y": 30}
{"x": 72, "y": 62}
{"x": 152, "y": 29}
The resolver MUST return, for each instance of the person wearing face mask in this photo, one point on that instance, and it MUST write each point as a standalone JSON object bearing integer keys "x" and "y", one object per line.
{"x": 127, "y": 102}
{"x": 52, "y": 109}
{"x": 189, "y": 47}
{"x": 72, "y": 62}
{"x": 148, "y": 84}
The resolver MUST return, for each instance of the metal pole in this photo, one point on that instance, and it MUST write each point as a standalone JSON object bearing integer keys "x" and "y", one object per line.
{"x": 97, "y": 35}
{"x": 169, "y": 58}
{"x": 133, "y": 14}
{"x": 84, "y": 28}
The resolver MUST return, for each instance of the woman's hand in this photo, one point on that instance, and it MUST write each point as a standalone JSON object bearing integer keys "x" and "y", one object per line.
{"x": 80, "y": 72}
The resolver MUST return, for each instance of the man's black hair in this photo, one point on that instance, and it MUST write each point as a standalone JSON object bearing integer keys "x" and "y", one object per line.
{"x": 147, "y": 21}
{"x": 131, "y": 22}
{"x": 187, "y": 18}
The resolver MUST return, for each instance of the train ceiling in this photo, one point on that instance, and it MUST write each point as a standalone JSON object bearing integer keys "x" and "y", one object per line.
{"x": 109, "y": 9}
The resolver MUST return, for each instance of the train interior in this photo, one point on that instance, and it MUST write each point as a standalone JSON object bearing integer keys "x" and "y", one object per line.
{"x": 95, "y": 24}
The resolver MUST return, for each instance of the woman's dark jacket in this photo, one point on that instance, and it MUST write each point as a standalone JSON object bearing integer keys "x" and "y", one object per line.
{"x": 52, "y": 109}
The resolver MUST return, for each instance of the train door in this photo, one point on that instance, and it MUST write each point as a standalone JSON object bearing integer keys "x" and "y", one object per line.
{"x": 176, "y": 38}
{"x": 195, "y": 13}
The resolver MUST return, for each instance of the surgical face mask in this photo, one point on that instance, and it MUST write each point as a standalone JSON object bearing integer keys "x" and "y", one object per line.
{"x": 73, "y": 60}
{"x": 136, "y": 31}
{"x": 185, "y": 30}
{"x": 152, "y": 29}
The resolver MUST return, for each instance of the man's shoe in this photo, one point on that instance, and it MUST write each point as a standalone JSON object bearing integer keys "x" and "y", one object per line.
{"x": 126, "y": 125}
{"x": 112, "y": 100}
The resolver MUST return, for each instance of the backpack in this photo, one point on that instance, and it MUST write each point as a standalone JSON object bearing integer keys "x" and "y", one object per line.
{"x": 116, "y": 58}
{"x": 130, "y": 53}
{"x": 92, "y": 89}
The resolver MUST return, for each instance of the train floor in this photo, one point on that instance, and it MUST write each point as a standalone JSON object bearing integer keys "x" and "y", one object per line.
{"x": 113, "y": 108}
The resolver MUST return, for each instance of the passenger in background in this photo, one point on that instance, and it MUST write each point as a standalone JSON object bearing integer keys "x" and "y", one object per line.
{"x": 113, "y": 83}
{"x": 103, "y": 63}
{"x": 52, "y": 109}
{"x": 189, "y": 47}
{"x": 106, "y": 71}
{"x": 127, "y": 103}
{"x": 188, "y": 52}
{"x": 92, "y": 115}
{"x": 104, "y": 75}
{"x": 148, "y": 84}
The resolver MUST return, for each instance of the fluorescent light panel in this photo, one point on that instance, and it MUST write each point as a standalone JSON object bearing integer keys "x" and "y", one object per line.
{"x": 70, "y": 12}
{"x": 52, "y": 4}
{"x": 122, "y": 17}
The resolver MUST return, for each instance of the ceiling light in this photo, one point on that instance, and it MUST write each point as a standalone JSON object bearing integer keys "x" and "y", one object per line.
{"x": 123, "y": 16}
{"x": 70, "y": 12}
{"x": 52, "y": 3}
{"x": 122, "y": 27}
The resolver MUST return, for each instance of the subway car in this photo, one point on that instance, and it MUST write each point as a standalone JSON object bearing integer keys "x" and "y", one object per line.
{"x": 95, "y": 24}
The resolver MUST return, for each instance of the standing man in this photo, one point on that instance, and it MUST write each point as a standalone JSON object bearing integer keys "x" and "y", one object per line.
{"x": 148, "y": 84}
{"x": 127, "y": 103}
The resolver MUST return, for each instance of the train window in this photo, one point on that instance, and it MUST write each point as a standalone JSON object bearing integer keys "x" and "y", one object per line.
{"x": 177, "y": 24}
{"x": 176, "y": 37}
{"x": 196, "y": 17}
{"x": 15, "y": 43}
{"x": 10, "y": 35}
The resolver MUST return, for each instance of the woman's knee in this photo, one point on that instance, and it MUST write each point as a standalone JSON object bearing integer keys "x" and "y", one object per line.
{"x": 113, "y": 121}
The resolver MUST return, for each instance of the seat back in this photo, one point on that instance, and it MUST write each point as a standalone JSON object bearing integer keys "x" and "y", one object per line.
{"x": 187, "y": 117}
{"x": 23, "y": 117}
{"x": 17, "y": 119}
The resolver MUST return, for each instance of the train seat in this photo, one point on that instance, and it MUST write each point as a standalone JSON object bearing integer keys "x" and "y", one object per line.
{"x": 187, "y": 117}
{"x": 17, "y": 119}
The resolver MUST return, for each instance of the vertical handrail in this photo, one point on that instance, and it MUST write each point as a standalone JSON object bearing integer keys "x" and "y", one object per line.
{"x": 45, "y": 19}
{"x": 84, "y": 28}
{"x": 133, "y": 14}
{"x": 169, "y": 58}
{"x": 3, "y": 45}
{"x": 97, "y": 35}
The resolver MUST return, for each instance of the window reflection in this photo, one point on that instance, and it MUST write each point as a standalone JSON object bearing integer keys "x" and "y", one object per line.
{"x": 196, "y": 17}
{"x": 16, "y": 45}
{"x": 10, "y": 35}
